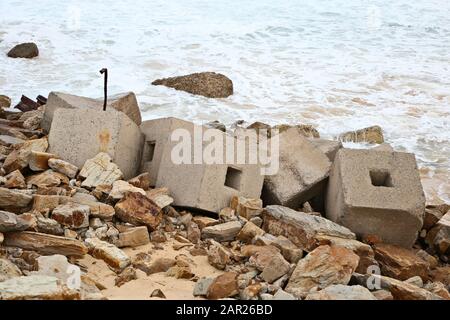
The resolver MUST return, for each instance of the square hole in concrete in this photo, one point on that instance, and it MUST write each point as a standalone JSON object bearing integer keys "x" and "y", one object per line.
{"x": 150, "y": 151}
{"x": 233, "y": 178}
{"x": 381, "y": 178}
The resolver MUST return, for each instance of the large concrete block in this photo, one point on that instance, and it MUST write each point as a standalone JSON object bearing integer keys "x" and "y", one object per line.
{"x": 77, "y": 135}
{"x": 195, "y": 184}
{"x": 377, "y": 193}
{"x": 329, "y": 147}
{"x": 124, "y": 102}
{"x": 302, "y": 175}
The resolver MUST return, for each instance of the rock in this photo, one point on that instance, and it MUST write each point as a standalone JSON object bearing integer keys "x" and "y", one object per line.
{"x": 305, "y": 130}
{"x": 47, "y": 179}
{"x": 109, "y": 253}
{"x": 127, "y": 275}
{"x": 341, "y": 292}
{"x": 216, "y": 125}
{"x": 249, "y": 232}
{"x": 193, "y": 233}
{"x": 431, "y": 218}
{"x": 277, "y": 268}
{"x": 224, "y": 286}
{"x": 247, "y": 208}
{"x": 428, "y": 258}
{"x": 218, "y": 256}
{"x": 49, "y": 226}
{"x": 441, "y": 274}
{"x": 371, "y": 135}
{"x": 18, "y": 159}
{"x": 143, "y": 262}
{"x": 45, "y": 244}
{"x": 160, "y": 196}
{"x": 14, "y": 198}
{"x": 227, "y": 215}
{"x": 437, "y": 288}
{"x": 33, "y": 122}
{"x": 416, "y": 281}
{"x": 38, "y": 161}
{"x": 208, "y": 84}
{"x": 63, "y": 167}
{"x": 257, "y": 221}
{"x": 98, "y": 209}
{"x": 10, "y": 222}
{"x": 301, "y": 228}
{"x": 55, "y": 266}
{"x": 36, "y": 288}
{"x": 74, "y": 216}
{"x": 222, "y": 232}
{"x": 180, "y": 272}
{"x": 2, "y": 237}
{"x": 158, "y": 237}
{"x": 204, "y": 222}
{"x": 438, "y": 238}
{"x": 8, "y": 270}
{"x": 251, "y": 292}
{"x": 138, "y": 210}
{"x": 120, "y": 188}
{"x": 289, "y": 250}
{"x": 283, "y": 295}
{"x": 9, "y": 140}
{"x": 400, "y": 263}
{"x": 133, "y": 237}
{"x": 100, "y": 171}
{"x": 323, "y": 267}
{"x": 142, "y": 181}
{"x": 157, "y": 293}
{"x": 96, "y": 223}
{"x": 5, "y": 102}
{"x": 385, "y": 147}
{"x": 201, "y": 287}
{"x": 383, "y": 295}
{"x": 24, "y": 50}
{"x": 15, "y": 180}
{"x": 260, "y": 256}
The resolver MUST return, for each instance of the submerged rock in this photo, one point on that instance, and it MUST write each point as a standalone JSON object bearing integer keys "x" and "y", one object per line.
{"x": 24, "y": 50}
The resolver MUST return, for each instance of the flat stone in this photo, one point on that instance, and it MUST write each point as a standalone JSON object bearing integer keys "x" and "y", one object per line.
{"x": 160, "y": 196}
{"x": 323, "y": 267}
{"x": 49, "y": 226}
{"x": 15, "y": 180}
{"x": 247, "y": 208}
{"x": 120, "y": 188}
{"x": 63, "y": 167}
{"x": 47, "y": 179}
{"x": 133, "y": 237}
{"x": 100, "y": 171}
{"x": 109, "y": 253}
{"x": 249, "y": 232}
{"x": 10, "y": 222}
{"x": 224, "y": 286}
{"x": 283, "y": 295}
{"x": 277, "y": 268}
{"x": 144, "y": 263}
{"x": 142, "y": 181}
{"x": 14, "y": 198}
{"x": 222, "y": 232}
{"x": 18, "y": 159}
{"x": 74, "y": 216}
{"x": 342, "y": 292}
{"x": 38, "y": 161}
{"x": 138, "y": 210}
{"x": 204, "y": 222}
{"x": 301, "y": 228}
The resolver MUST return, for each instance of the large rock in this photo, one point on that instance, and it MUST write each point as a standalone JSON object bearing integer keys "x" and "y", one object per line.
{"x": 224, "y": 286}
{"x": 208, "y": 84}
{"x": 138, "y": 210}
{"x": 10, "y": 222}
{"x": 19, "y": 158}
{"x": 38, "y": 161}
{"x": 341, "y": 292}
{"x": 63, "y": 167}
{"x": 222, "y": 232}
{"x": 14, "y": 198}
{"x": 47, "y": 179}
{"x": 247, "y": 208}
{"x": 323, "y": 267}
{"x": 109, "y": 253}
{"x": 5, "y": 102}
{"x": 276, "y": 268}
{"x": 301, "y": 228}
{"x": 124, "y": 102}
{"x": 371, "y": 135}
{"x": 24, "y": 50}
{"x": 71, "y": 215}
{"x": 100, "y": 170}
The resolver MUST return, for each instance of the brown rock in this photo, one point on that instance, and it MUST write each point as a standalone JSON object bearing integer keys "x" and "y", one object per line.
{"x": 120, "y": 188}
{"x": 137, "y": 209}
{"x": 260, "y": 256}
{"x": 71, "y": 215}
{"x": 383, "y": 295}
{"x": 10, "y": 222}
{"x": 227, "y": 215}
{"x": 18, "y": 159}
{"x": 323, "y": 267}
{"x": 160, "y": 196}
{"x": 24, "y": 50}
{"x": 63, "y": 167}
{"x": 5, "y": 102}
{"x": 2, "y": 237}
{"x": 45, "y": 244}
{"x": 441, "y": 274}
{"x": 158, "y": 236}
{"x": 340, "y": 292}
{"x": 109, "y": 253}
{"x": 8, "y": 270}
{"x": 144, "y": 263}
{"x": 38, "y": 161}
{"x": 276, "y": 268}
{"x": 204, "y": 222}
{"x": 127, "y": 275}
{"x": 15, "y": 180}
{"x": 142, "y": 181}
{"x": 14, "y": 198}
{"x": 133, "y": 237}
{"x": 439, "y": 239}
{"x": 431, "y": 218}
{"x": 305, "y": 130}
{"x": 249, "y": 232}
{"x": 180, "y": 272}
{"x": 193, "y": 233}
{"x": 247, "y": 208}
{"x": 400, "y": 263}
{"x": 439, "y": 289}
{"x": 371, "y": 135}
{"x": 48, "y": 178}
{"x": 208, "y": 84}
{"x": 218, "y": 256}
{"x": 157, "y": 293}
{"x": 224, "y": 286}
{"x": 222, "y": 232}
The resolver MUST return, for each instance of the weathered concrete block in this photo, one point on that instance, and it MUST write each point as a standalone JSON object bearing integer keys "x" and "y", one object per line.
{"x": 302, "y": 174}
{"x": 329, "y": 147}
{"x": 195, "y": 184}
{"x": 377, "y": 193}
{"x": 124, "y": 102}
{"x": 78, "y": 135}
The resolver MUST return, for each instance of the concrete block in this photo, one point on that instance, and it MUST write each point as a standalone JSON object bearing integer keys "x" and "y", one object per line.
{"x": 203, "y": 186}
{"x": 377, "y": 193}
{"x": 302, "y": 175}
{"x": 77, "y": 135}
{"x": 124, "y": 102}
{"x": 329, "y": 147}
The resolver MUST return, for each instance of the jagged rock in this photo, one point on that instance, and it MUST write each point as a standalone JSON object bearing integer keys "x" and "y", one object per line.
{"x": 142, "y": 181}
{"x": 305, "y": 130}
{"x": 100, "y": 170}
{"x": 133, "y": 237}
{"x": 36, "y": 288}
{"x": 417, "y": 281}
{"x": 8, "y": 270}
{"x": 38, "y": 161}
{"x": 289, "y": 250}
{"x": 218, "y": 256}
{"x": 249, "y": 232}
{"x": 49, "y": 226}
{"x": 208, "y": 84}
{"x": 157, "y": 293}
{"x": 158, "y": 237}
{"x": 439, "y": 239}
{"x": 216, "y": 125}
{"x": 109, "y": 253}
{"x": 437, "y": 288}
{"x": 5, "y": 102}
{"x": 127, "y": 275}
{"x": 323, "y": 267}
{"x": 47, "y": 179}
{"x": 160, "y": 196}
{"x": 301, "y": 228}
{"x": 400, "y": 263}
{"x": 204, "y": 222}
{"x": 18, "y": 159}
{"x": 45, "y": 243}
{"x": 27, "y": 50}
{"x": 33, "y": 122}
{"x": 441, "y": 274}
{"x": 224, "y": 286}
{"x": 15, "y": 180}
{"x": 120, "y": 188}
{"x": 371, "y": 135}
{"x": 428, "y": 258}
{"x": 74, "y": 216}
{"x": 277, "y": 268}
{"x": 193, "y": 233}
{"x": 138, "y": 210}
{"x": 10, "y": 222}
{"x": 14, "y": 198}
{"x": 201, "y": 287}
{"x": 227, "y": 215}
{"x": 260, "y": 256}
{"x": 251, "y": 292}
{"x": 55, "y": 266}
{"x": 341, "y": 292}
{"x": 247, "y": 208}
{"x": 144, "y": 263}
{"x": 222, "y": 232}
{"x": 63, "y": 167}
{"x": 383, "y": 295}
{"x": 180, "y": 272}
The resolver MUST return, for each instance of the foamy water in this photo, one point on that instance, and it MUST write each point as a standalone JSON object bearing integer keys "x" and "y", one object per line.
{"x": 339, "y": 65}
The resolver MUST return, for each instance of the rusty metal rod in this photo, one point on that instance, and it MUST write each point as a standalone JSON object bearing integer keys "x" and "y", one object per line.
{"x": 105, "y": 72}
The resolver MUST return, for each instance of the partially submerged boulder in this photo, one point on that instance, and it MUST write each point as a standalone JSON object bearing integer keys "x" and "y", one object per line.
{"x": 24, "y": 50}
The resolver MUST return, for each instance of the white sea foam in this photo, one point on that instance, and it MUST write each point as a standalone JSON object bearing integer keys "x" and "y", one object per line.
{"x": 339, "y": 65}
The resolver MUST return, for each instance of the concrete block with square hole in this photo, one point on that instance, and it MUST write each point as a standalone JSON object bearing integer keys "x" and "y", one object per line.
{"x": 77, "y": 135}
{"x": 208, "y": 187}
{"x": 377, "y": 193}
